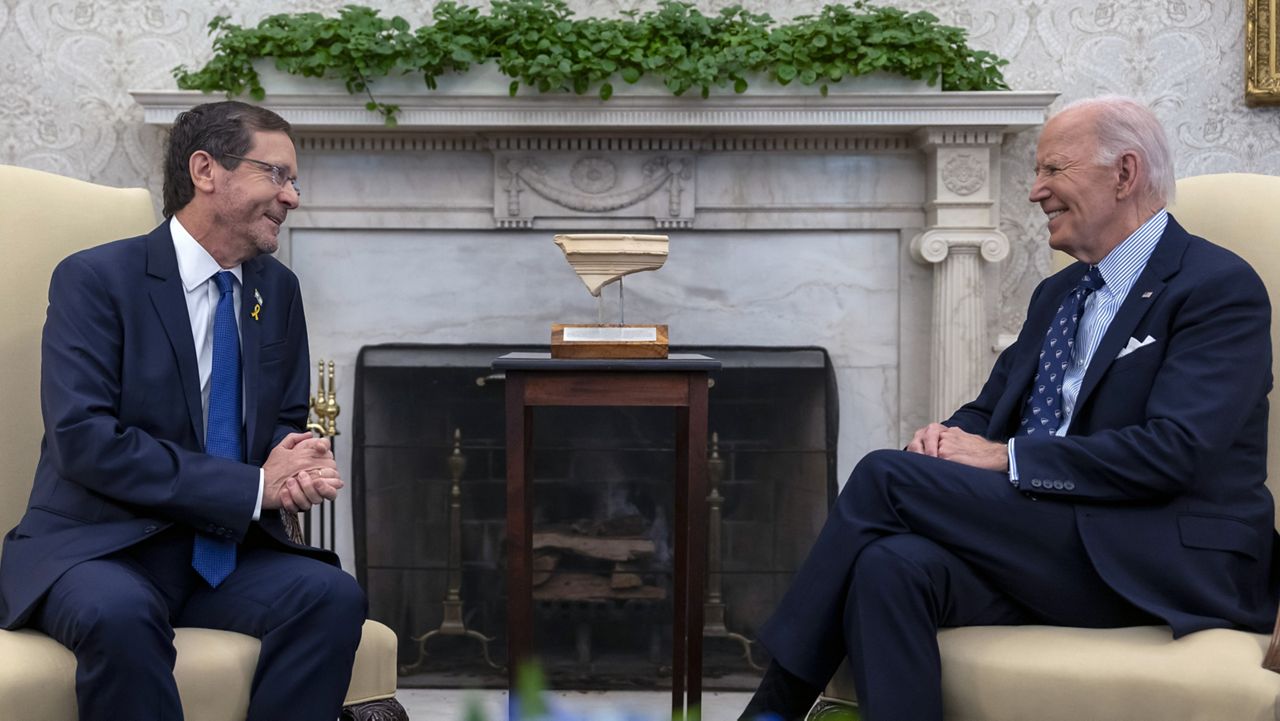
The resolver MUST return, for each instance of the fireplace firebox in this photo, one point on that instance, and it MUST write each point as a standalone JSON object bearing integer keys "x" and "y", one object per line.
{"x": 428, "y": 483}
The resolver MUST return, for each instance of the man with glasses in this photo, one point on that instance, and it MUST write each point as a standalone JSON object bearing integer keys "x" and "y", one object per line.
{"x": 174, "y": 386}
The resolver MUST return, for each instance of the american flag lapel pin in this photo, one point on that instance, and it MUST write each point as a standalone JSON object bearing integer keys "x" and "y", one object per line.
{"x": 1146, "y": 294}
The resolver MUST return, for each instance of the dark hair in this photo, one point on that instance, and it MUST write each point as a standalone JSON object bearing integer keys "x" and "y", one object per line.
{"x": 221, "y": 128}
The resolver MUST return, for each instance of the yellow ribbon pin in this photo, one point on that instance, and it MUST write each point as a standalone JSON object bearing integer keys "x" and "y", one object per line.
{"x": 256, "y": 309}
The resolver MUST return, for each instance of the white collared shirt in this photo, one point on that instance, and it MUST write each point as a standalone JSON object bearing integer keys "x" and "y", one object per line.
{"x": 196, "y": 268}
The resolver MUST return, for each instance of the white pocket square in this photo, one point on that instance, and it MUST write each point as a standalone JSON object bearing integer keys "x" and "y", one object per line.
{"x": 1135, "y": 344}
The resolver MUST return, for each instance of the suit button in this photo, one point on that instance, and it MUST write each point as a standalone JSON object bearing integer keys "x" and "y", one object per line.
{"x": 1036, "y": 483}
{"x": 1069, "y": 486}
{"x": 149, "y": 529}
{"x": 1057, "y": 485}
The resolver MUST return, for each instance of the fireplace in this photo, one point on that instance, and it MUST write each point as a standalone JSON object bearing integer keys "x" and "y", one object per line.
{"x": 865, "y": 223}
{"x": 603, "y": 513}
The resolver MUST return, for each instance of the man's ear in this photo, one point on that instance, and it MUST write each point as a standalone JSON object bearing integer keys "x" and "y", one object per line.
{"x": 201, "y": 166}
{"x": 1130, "y": 166}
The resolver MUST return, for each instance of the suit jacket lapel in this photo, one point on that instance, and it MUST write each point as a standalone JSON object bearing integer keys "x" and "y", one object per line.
{"x": 1165, "y": 261}
{"x": 250, "y": 343}
{"x": 169, "y": 299}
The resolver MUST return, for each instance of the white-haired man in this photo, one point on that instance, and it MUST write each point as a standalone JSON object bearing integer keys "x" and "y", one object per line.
{"x": 1110, "y": 473}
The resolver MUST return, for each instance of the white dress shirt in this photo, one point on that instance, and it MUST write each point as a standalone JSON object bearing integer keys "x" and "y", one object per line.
{"x": 197, "y": 268}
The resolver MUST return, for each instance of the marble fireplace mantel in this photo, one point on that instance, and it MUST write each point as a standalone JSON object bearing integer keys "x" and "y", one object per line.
{"x": 841, "y": 221}
{"x": 784, "y": 110}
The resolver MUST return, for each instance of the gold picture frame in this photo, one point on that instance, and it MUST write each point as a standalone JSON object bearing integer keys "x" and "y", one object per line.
{"x": 1261, "y": 53}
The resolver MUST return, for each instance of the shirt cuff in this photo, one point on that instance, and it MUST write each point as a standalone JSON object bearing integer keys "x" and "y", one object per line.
{"x": 1013, "y": 466}
{"x": 262, "y": 484}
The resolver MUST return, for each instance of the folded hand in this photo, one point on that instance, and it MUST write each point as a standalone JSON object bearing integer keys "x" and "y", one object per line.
{"x": 299, "y": 473}
{"x": 954, "y": 444}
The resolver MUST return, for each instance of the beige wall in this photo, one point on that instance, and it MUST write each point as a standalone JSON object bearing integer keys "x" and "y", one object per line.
{"x": 66, "y": 67}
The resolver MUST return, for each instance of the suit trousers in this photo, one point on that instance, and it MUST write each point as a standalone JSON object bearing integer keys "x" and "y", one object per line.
{"x": 117, "y": 614}
{"x": 916, "y": 543}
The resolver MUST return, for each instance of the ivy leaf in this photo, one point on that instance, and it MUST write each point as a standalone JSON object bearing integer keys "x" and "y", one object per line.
{"x": 541, "y": 45}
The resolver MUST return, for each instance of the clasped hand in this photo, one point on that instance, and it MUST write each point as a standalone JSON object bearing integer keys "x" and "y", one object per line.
{"x": 299, "y": 473}
{"x": 953, "y": 444}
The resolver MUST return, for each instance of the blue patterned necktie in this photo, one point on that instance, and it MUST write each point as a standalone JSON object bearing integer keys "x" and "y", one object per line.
{"x": 1042, "y": 412}
{"x": 215, "y": 558}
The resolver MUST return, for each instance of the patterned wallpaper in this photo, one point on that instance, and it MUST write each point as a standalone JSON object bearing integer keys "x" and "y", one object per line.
{"x": 66, "y": 67}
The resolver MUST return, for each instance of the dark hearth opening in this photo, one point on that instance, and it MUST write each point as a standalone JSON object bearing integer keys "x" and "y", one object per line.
{"x": 429, "y": 421}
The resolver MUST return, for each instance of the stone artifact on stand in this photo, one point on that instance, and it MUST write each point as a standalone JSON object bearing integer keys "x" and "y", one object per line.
{"x": 600, "y": 259}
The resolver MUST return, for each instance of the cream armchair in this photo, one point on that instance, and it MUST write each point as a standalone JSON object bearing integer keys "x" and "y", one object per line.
{"x": 43, "y": 218}
{"x": 1046, "y": 673}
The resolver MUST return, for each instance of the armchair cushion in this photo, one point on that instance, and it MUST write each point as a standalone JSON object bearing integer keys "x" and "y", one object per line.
{"x": 1047, "y": 673}
{"x": 214, "y": 670}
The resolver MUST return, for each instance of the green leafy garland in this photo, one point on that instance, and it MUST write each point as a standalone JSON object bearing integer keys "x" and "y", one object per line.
{"x": 539, "y": 43}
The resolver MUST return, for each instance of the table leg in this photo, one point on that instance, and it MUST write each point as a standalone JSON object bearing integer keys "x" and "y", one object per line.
{"x": 696, "y": 465}
{"x": 519, "y": 528}
{"x": 680, "y": 602}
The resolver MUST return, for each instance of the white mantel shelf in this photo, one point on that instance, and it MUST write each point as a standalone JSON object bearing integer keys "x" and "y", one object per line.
{"x": 1006, "y": 111}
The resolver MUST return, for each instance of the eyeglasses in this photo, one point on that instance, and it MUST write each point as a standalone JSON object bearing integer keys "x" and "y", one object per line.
{"x": 279, "y": 176}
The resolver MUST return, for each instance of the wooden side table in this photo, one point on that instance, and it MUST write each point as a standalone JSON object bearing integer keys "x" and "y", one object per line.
{"x": 536, "y": 379}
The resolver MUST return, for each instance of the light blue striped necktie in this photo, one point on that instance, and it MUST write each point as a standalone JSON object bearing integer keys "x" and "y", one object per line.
{"x": 215, "y": 558}
{"x": 1042, "y": 412}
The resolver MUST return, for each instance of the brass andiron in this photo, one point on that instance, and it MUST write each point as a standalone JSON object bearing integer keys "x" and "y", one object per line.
{"x": 324, "y": 405}
{"x": 452, "y": 623}
{"x": 713, "y": 609}
{"x": 323, "y": 421}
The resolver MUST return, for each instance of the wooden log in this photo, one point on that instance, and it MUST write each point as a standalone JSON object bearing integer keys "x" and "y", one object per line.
{"x": 544, "y": 564}
{"x": 565, "y": 586}
{"x": 625, "y": 575}
{"x": 621, "y": 581}
{"x": 605, "y": 549}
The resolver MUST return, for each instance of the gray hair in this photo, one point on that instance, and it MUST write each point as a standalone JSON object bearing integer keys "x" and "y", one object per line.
{"x": 1125, "y": 125}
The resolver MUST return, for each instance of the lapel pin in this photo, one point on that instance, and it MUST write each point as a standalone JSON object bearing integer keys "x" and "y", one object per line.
{"x": 1146, "y": 294}
{"x": 257, "y": 308}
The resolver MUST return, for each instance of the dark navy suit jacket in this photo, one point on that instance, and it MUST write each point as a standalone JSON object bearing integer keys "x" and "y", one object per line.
{"x": 123, "y": 450}
{"x": 1165, "y": 456}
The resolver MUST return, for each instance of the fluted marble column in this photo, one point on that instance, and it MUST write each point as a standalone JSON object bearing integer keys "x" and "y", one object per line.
{"x": 962, "y": 212}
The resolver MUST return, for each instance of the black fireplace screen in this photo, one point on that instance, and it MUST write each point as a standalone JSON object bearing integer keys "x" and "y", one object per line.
{"x": 428, "y": 487}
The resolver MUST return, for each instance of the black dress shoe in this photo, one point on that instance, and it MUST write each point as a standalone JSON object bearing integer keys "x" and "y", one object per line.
{"x": 781, "y": 696}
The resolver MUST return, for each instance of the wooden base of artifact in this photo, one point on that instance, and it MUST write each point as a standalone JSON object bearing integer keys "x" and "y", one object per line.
{"x": 608, "y": 341}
